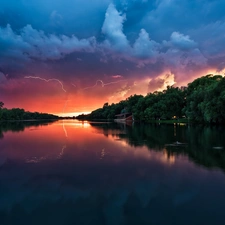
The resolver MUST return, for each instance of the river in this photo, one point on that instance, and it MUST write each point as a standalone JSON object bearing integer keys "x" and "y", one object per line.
{"x": 72, "y": 172}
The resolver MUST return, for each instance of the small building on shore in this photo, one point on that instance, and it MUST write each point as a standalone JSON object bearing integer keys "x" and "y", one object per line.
{"x": 124, "y": 117}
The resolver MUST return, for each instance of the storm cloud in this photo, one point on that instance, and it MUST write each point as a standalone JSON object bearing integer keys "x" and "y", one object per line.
{"x": 140, "y": 41}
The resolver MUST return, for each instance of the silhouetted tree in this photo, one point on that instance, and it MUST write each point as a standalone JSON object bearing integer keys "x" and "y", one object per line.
{"x": 1, "y": 105}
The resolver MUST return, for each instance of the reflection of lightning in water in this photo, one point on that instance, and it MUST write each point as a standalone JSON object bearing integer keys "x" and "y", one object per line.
{"x": 35, "y": 159}
{"x": 62, "y": 152}
{"x": 103, "y": 84}
{"x": 102, "y": 153}
{"x": 43, "y": 158}
{"x": 65, "y": 131}
{"x": 64, "y": 128}
{"x": 46, "y": 80}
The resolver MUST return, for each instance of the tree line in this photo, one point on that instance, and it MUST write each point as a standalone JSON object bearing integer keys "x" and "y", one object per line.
{"x": 203, "y": 101}
{"x": 21, "y": 114}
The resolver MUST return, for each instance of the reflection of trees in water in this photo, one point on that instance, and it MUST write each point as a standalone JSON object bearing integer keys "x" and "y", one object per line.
{"x": 17, "y": 126}
{"x": 205, "y": 145}
{"x": 154, "y": 136}
{"x": 150, "y": 135}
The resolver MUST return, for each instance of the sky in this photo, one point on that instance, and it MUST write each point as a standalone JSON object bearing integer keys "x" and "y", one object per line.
{"x": 69, "y": 57}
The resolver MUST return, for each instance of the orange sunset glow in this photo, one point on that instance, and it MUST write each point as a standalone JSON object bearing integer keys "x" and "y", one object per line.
{"x": 50, "y": 97}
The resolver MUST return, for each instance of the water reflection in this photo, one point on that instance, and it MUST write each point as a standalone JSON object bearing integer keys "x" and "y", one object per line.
{"x": 204, "y": 145}
{"x": 17, "y": 126}
{"x": 103, "y": 173}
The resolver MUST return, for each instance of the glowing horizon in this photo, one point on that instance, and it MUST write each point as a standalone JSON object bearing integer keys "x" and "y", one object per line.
{"x": 70, "y": 104}
{"x": 72, "y": 114}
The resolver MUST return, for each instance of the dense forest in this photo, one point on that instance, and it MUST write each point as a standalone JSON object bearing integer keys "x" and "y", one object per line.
{"x": 202, "y": 101}
{"x": 21, "y": 114}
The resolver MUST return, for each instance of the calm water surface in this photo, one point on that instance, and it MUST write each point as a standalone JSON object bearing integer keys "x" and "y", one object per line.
{"x": 71, "y": 172}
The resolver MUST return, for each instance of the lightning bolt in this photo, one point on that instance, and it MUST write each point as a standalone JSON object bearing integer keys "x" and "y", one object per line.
{"x": 65, "y": 105}
{"x": 46, "y": 80}
{"x": 103, "y": 84}
{"x": 60, "y": 82}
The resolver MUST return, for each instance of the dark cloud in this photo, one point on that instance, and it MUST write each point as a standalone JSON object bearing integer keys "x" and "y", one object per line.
{"x": 144, "y": 47}
{"x": 31, "y": 43}
{"x": 140, "y": 40}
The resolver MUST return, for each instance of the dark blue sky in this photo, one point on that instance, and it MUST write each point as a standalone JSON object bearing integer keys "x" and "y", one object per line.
{"x": 138, "y": 45}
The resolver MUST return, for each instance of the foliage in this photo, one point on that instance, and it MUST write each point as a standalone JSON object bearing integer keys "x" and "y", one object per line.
{"x": 202, "y": 101}
{"x": 21, "y": 114}
{"x": 157, "y": 105}
{"x": 206, "y": 99}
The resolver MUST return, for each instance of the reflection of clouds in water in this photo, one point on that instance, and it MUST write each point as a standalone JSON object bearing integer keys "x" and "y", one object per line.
{"x": 58, "y": 194}
{"x": 184, "y": 197}
{"x": 34, "y": 129}
{"x": 3, "y": 160}
{"x": 81, "y": 188}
